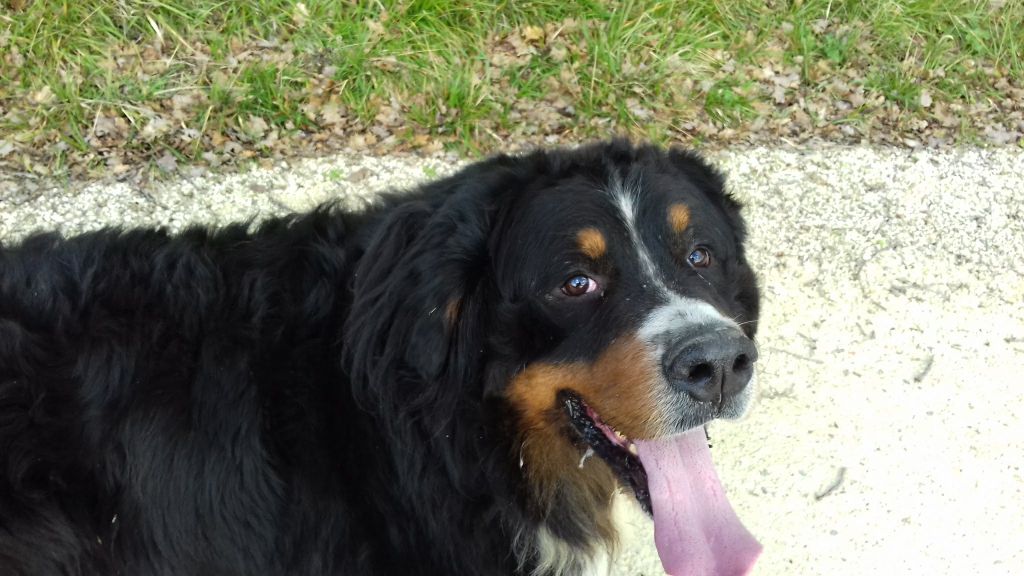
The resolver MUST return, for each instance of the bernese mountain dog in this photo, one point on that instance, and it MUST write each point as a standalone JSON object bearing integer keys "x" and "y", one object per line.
{"x": 457, "y": 380}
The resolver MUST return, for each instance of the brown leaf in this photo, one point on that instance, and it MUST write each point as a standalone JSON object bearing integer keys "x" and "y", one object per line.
{"x": 211, "y": 159}
{"x": 167, "y": 162}
{"x": 255, "y": 127}
{"x": 779, "y": 94}
{"x": 376, "y": 29}
{"x": 333, "y": 114}
{"x": 300, "y": 14}
{"x": 1000, "y": 135}
{"x": 42, "y": 96}
{"x": 104, "y": 126}
{"x": 521, "y": 46}
{"x": 360, "y": 175}
{"x": 233, "y": 148}
{"x": 386, "y": 63}
{"x": 533, "y": 34}
{"x": 639, "y": 112}
{"x": 155, "y": 128}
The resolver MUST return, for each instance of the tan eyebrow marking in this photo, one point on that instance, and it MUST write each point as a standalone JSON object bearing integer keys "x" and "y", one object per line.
{"x": 592, "y": 243}
{"x": 678, "y": 217}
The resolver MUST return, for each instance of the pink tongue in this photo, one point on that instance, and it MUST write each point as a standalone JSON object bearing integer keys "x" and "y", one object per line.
{"x": 695, "y": 529}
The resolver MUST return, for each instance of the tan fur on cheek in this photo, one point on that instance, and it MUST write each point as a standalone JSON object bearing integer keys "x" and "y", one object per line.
{"x": 620, "y": 385}
{"x": 678, "y": 217}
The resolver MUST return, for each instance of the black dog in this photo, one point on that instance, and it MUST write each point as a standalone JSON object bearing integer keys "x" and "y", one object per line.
{"x": 414, "y": 389}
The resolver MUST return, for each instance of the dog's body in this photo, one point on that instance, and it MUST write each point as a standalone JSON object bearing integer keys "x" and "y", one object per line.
{"x": 407, "y": 390}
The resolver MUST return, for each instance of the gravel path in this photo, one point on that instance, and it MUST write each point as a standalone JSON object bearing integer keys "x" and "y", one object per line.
{"x": 888, "y": 434}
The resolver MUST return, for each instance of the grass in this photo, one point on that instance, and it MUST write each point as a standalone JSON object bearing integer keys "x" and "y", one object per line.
{"x": 726, "y": 103}
{"x": 897, "y": 86}
{"x": 471, "y": 73}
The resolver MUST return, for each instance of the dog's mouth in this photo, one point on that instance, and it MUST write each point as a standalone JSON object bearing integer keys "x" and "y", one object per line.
{"x": 696, "y": 530}
{"x": 618, "y": 451}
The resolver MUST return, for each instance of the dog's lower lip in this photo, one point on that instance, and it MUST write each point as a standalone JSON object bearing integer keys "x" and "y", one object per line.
{"x": 621, "y": 455}
{"x": 613, "y": 435}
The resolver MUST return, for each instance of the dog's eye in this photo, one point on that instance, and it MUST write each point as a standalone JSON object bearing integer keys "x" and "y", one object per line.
{"x": 700, "y": 257}
{"x": 579, "y": 285}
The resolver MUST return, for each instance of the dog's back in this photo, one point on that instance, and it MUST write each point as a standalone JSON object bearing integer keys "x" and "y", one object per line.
{"x": 136, "y": 372}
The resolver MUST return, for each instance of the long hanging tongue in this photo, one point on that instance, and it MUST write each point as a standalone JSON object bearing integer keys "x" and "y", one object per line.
{"x": 695, "y": 529}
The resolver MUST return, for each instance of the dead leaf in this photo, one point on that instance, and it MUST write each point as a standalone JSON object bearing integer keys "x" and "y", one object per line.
{"x": 104, "y": 126}
{"x": 558, "y": 53}
{"x": 533, "y": 34}
{"x": 255, "y": 127}
{"x": 522, "y": 46}
{"x": 42, "y": 96}
{"x": 639, "y": 112}
{"x": 1000, "y": 135}
{"x": 188, "y": 134}
{"x": 155, "y": 128}
{"x": 360, "y": 175}
{"x": 357, "y": 142}
{"x": 386, "y": 63}
{"x": 779, "y": 94}
{"x": 376, "y": 29}
{"x": 333, "y": 115}
{"x": 167, "y": 162}
{"x": 300, "y": 14}
{"x": 233, "y": 148}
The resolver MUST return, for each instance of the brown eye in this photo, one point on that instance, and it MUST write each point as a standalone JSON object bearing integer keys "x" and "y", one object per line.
{"x": 700, "y": 257}
{"x": 579, "y": 285}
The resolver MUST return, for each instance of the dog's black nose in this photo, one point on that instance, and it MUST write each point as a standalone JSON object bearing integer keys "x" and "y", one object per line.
{"x": 711, "y": 367}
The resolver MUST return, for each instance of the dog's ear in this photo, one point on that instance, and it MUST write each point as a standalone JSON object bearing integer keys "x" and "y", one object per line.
{"x": 417, "y": 311}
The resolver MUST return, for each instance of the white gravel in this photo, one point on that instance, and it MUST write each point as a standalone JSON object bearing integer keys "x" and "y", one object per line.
{"x": 889, "y": 436}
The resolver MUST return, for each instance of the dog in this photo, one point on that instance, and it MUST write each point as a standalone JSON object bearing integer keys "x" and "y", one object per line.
{"x": 459, "y": 379}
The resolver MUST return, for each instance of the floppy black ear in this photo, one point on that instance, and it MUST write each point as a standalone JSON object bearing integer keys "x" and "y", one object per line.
{"x": 416, "y": 314}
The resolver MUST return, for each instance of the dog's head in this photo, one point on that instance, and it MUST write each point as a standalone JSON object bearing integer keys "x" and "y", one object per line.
{"x": 601, "y": 297}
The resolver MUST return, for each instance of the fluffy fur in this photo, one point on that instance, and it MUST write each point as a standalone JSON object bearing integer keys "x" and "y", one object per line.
{"x": 332, "y": 393}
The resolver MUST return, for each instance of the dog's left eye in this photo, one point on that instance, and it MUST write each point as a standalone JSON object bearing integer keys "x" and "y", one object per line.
{"x": 579, "y": 285}
{"x": 700, "y": 257}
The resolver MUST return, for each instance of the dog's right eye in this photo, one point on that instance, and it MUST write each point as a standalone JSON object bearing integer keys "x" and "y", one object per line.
{"x": 579, "y": 285}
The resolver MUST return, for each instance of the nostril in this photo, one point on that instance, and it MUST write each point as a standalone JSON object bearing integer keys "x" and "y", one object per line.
{"x": 741, "y": 363}
{"x": 700, "y": 373}
{"x": 710, "y": 367}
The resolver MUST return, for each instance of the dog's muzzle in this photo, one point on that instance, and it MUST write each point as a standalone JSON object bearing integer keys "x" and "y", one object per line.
{"x": 710, "y": 367}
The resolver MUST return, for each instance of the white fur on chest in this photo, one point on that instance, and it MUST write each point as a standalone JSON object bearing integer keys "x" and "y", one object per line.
{"x": 634, "y": 554}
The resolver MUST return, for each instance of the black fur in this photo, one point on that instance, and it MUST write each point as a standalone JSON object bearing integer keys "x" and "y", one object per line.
{"x": 319, "y": 394}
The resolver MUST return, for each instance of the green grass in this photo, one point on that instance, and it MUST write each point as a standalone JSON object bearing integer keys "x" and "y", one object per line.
{"x": 727, "y": 104}
{"x": 897, "y": 86}
{"x": 456, "y": 71}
